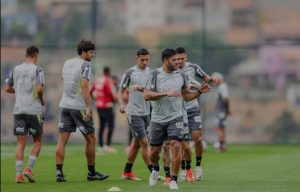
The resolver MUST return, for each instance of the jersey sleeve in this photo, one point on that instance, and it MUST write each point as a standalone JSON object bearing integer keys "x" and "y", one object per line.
{"x": 151, "y": 80}
{"x": 86, "y": 71}
{"x": 40, "y": 79}
{"x": 125, "y": 81}
{"x": 10, "y": 79}
{"x": 198, "y": 71}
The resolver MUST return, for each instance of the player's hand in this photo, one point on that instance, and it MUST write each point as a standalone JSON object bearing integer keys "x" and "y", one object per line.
{"x": 122, "y": 109}
{"x": 174, "y": 93}
{"x": 136, "y": 87}
{"x": 204, "y": 88}
{"x": 88, "y": 114}
{"x": 215, "y": 80}
{"x": 43, "y": 102}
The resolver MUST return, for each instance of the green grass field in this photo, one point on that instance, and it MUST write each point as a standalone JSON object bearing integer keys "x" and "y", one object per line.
{"x": 243, "y": 168}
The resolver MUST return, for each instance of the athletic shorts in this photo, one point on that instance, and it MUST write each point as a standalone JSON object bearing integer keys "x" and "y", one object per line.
{"x": 160, "y": 132}
{"x": 24, "y": 124}
{"x": 70, "y": 119}
{"x": 194, "y": 118}
{"x": 139, "y": 125}
{"x": 221, "y": 119}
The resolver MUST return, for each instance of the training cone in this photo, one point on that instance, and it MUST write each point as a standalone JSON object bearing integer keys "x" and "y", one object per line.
{"x": 114, "y": 189}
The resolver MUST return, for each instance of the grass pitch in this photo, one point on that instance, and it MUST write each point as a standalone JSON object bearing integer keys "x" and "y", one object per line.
{"x": 259, "y": 168}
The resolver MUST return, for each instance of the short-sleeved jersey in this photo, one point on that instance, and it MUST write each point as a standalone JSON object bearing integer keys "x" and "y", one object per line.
{"x": 136, "y": 104}
{"x": 192, "y": 71}
{"x": 166, "y": 108}
{"x": 222, "y": 94}
{"x": 24, "y": 79}
{"x": 74, "y": 70}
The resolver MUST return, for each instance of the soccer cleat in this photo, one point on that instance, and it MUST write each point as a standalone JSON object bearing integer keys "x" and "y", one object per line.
{"x": 28, "y": 173}
{"x": 60, "y": 178}
{"x": 198, "y": 173}
{"x": 167, "y": 181}
{"x": 153, "y": 178}
{"x": 182, "y": 176}
{"x": 130, "y": 176}
{"x": 189, "y": 175}
{"x": 97, "y": 176}
{"x": 19, "y": 179}
{"x": 173, "y": 185}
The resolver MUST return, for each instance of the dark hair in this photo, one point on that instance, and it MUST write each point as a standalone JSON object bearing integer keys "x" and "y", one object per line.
{"x": 180, "y": 50}
{"x": 106, "y": 70}
{"x": 32, "y": 51}
{"x": 142, "y": 51}
{"x": 167, "y": 53}
{"x": 85, "y": 46}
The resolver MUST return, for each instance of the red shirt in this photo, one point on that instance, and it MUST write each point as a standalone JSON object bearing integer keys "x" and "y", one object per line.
{"x": 103, "y": 91}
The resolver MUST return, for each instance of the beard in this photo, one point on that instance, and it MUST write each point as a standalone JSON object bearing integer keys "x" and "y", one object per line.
{"x": 171, "y": 67}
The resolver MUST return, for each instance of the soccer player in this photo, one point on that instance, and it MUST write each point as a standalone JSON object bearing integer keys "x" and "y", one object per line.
{"x": 26, "y": 81}
{"x": 104, "y": 92}
{"x": 222, "y": 110}
{"x": 137, "y": 109}
{"x": 76, "y": 109}
{"x": 165, "y": 88}
{"x": 193, "y": 113}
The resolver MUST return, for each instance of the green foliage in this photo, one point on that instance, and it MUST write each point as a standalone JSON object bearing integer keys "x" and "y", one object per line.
{"x": 286, "y": 129}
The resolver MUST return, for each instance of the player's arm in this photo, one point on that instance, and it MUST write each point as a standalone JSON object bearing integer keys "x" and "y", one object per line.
{"x": 201, "y": 74}
{"x": 189, "y": 95}
{"x": 85, "y": 77}
{"x": 10, "y": 84}
{"x": 123, "y": 85}
{"x": 40, "y": 82}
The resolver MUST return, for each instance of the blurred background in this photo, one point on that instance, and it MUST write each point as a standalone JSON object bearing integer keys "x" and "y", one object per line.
{"x": 254, "y": 43}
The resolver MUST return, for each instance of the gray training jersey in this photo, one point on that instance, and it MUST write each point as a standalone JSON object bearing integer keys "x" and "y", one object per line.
{"x": 191, "y": 71}
{"x": 24, "y": 79}
{"x": 73, "y": 72}
{"x": 166, "y": 108}
{"x": 136, "y": 104}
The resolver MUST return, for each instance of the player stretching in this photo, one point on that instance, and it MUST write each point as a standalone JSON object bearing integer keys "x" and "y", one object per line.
{"x": 26, "y": 81}
{"x": 137, "y": 109}
{"x": 165, "y": 88}
{"x": 193, "y": 113}
{"x": 76, "y": 109}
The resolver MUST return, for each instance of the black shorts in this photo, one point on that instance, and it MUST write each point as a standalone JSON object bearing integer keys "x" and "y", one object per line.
{"x": 32, "y": 124}
{"x": 139, "y": 125}
{"x": 70, "y": 119}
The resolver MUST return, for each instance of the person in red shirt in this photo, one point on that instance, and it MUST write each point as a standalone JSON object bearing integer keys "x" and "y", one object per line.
{"x": 104, "y": 93}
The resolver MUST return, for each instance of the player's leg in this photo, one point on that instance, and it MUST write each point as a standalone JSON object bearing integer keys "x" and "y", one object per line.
{"x": 36, "y": 130}
{"x": 221, "y": 135}
{"x": 111, "y": 126}
{"x": 65, "y": 127}
{"x": 166, "y": 162}
{"x": 102, "y": 121}
{"x": 157, "y": 135}
{"x": 60, "y": 154}
{"x": 20, "y": 130}
{"x": 132, "y": 154}
{"x": 187, "y": 155}
{"x": 175, "y": 130}
{"x": 197, "y": 137}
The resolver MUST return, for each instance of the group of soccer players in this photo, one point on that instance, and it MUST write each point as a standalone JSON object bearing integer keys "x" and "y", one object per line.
{"x": 175, "y": 114}
{"x": 164, "y": 98}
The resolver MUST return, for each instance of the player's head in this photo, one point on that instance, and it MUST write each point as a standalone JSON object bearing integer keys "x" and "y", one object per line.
{"x": 115, "y": 80}
{"x": 106, "y": 71}
{"x": 142, "y": 58}
{"x": 218, "y": 76}
{"x": 85, "y": 49}
{"x": 181, "y": 53}
{"x": 169, "y": 58}
{"x": 32, "y": 53}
